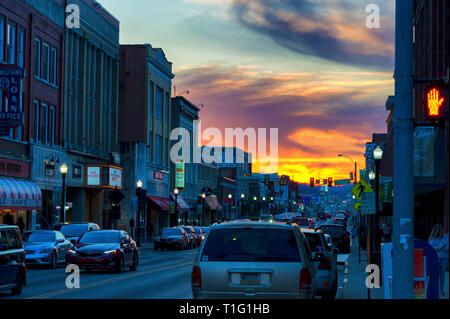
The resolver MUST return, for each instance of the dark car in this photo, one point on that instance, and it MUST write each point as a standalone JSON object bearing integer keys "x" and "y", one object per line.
{"x": 175, "y": 237}
{"x": 301, "y": 221}
{"x": 104, "y": 249}
{"x": 321, "y": 215}
{"x": 12, "y": 260}
{"x": 340, "y": 221}
{"x": 192, "y": 236}
{"x": 73, "y": 231}
{"x": 342, "y": 214}
{"x": 45, "y": 247}
{"x": 200, "y": 235}
{"x": 340, "y": 236}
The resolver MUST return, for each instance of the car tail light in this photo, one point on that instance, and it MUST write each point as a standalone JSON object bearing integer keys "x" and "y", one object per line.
{"x": 325, "y": 264}
{"x": 196, "y": 277}
{"x": 305, "y": 279}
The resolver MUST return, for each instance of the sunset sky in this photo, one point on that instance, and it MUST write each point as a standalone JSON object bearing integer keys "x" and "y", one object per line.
{"x": 310, "y": 68}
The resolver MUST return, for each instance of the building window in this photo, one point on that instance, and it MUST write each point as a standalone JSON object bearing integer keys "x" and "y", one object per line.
{"x": 36, "y": 121}
{"x": 150, "y": 147}
{"x": 150, "y": 98}
{"x": 20, "y": 53}
{"x": 45, "y": 62}
{"x": 159, "y": 103}
{"x": 2, "y": 38}
{"x": 37, "y": 58}
{"x": 166, "y": 110}
{"x": 53, "y": 67}
{"x": 158, "y": 149}
{"x": 11, "y": 44}
{"x": 43, "y": 121}
{"x": 51, "y": 127}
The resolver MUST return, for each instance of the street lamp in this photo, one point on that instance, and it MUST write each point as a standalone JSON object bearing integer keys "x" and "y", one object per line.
{"x": 139, "y": 196}
{"x": 230, "y": 205}
{"x": 377, "y": 155}
{"x": 63, "y": 169}
{"x": 175, "y": 192}
{"x": 340, "y": 155}
{"x": 371, "y": 175}
{"x": 242, "y": 204}
{"x": 203, "y": 208}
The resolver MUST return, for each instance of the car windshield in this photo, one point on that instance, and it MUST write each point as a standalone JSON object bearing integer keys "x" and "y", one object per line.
{"x": 251, "y": 245}
{"x": 73, "y": 230}
{"x": 170, "y": 232}
{"x": 42, "y": 237}
{"x": 333, "y": 231}
{"x": 99, "y": 237}
{"x": 314, "y": 242}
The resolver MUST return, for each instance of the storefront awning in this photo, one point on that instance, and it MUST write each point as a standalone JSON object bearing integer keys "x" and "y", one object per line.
{"x": 161, "y": 202}
{"x": 213, "y": 203}
{"x": 181, "y": 204}
{"x": 17, "y": 194}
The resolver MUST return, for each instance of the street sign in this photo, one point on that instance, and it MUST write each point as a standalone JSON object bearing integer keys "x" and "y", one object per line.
{"x": 179, "y": 175}
{"x": 12, "y": 114}
{"x": 360, "y": 188}
{"x": 342, "y": 182}
{"x": 368, "y": 203}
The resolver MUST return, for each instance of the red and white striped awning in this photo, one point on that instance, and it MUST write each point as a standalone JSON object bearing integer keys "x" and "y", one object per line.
{"x": 17, "y": 194}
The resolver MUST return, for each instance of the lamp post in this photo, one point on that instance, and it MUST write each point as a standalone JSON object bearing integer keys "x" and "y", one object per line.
{"x": 242, "y": 204}
{"x": 63, "y": 169}
{"x": 264, "y": 205}
{"x": 203, "y": 208}
{"x": 230, "y": 205}
{"x": 138, "y": 218}
{"x": 377, "y": 155}
{"x": 175, "y": 192}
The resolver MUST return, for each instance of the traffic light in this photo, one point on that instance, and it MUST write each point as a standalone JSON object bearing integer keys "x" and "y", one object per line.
{"x": 330, "y": 182}
{"x": 436, "y": 97}
{"x": 311, "y": 182}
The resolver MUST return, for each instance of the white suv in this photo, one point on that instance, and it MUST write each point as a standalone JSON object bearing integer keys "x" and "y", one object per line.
{"x": 254, "y": 260}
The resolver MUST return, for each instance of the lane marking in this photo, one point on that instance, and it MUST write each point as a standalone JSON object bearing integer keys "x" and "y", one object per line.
{"x": 106, "y": 281}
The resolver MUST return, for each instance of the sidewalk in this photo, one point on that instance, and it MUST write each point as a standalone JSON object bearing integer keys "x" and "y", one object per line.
{"x": 145, "y": 246}
{"x": 354, "y": 283}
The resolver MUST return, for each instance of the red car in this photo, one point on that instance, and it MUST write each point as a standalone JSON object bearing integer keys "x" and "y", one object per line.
{"x": 200, "y": 235}
{"x": 104, "y": 249}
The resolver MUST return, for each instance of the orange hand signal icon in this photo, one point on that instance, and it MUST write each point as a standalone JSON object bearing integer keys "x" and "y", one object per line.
{"x": 434, "y": 103}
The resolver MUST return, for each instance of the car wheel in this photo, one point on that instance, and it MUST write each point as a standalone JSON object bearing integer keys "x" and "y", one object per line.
{"x": 135, "y": 262}
{"x": 120, "y": 264}
{"x": 17, "y": 290}
{"x": 53, "y": 261}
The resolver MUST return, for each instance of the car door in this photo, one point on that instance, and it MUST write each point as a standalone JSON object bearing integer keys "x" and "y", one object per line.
{"x": 127, "y": 249}
{"x": 11, "y": 258}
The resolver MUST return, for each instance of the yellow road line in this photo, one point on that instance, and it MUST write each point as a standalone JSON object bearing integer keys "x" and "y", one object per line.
{"x": 106, "y": 281}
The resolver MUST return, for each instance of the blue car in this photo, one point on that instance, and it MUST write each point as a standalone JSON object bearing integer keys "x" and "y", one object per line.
{"x": 45, "y": 247}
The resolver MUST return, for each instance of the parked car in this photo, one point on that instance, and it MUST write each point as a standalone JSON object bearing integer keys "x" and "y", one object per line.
{"x": 282, "y": 218}
{"x": 45, "y": 247}
{"x": 192, "y": 236}
{"x": 13, "y": 272}
{"x": 254, "y": 260}
{"x": 73, "y": 231}
{"x": 301, "y": 221}
{"x": 174, "y": 237}
{"x": 205, "y": 230}
{"x": 104, "y": 249}
{"x": 266, "y": 218}
{"x": 339, "y": 235}
{"x": 326, "y": 264}
{"x": 199, "y": 233}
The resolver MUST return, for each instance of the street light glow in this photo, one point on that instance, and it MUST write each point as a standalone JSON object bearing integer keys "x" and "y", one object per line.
{"x": 378, "y": 153}
{"x": 371, "y": 175}
{"x": 139, "y": 183}
{"x": 175, "y": 191}
{"x": 63, "y": 169}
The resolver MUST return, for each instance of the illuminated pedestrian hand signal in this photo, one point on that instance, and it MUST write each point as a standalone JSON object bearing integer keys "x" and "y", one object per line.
{"x": 434, "y": 103}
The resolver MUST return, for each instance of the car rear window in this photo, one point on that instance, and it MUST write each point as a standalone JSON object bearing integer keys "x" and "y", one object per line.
{"x": 170, "y": 232}
{"x": 301, "y": 221}
{"x": 251, "y": 245}
{"x": 333, "y": 231}
{"x": 314, "y": 242}
{"x": 73, "y": 230}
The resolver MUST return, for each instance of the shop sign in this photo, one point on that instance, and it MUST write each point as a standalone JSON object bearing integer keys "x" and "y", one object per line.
{"x": 115, "y": 177}
{"x": 12, "y": 116}
{"x": 93, "y": 176}
{"x": 13, "y": 168}
{"x": 106, "y": 176}
{"x": 179, "y": 175}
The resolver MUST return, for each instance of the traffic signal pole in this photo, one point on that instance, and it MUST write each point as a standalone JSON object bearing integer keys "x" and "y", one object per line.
{"x": 403, "y": 230}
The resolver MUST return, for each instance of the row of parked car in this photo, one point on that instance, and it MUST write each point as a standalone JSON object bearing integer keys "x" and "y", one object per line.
{"x": 180, "y": 237}
{"x": 84, "y": 244}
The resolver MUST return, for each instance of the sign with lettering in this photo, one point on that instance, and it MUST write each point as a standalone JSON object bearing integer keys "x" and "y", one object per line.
{"x": 14, "y": 168}
{"x": 12, "y": 114}
{"x": 93, "y": 176}
{"x": 179, "y": 175}
{"x": 115, "y": 177}
{"x": 104, "y": 176}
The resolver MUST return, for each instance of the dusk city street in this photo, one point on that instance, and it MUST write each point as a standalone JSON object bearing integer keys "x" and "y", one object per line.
{"x": 205, "y": 151}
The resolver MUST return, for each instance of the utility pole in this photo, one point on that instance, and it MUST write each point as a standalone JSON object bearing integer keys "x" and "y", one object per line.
{"x": 403, "y": 231}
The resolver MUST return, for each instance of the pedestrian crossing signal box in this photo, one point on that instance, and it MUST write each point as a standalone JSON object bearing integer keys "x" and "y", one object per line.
{"x": 311, "y": 182}
{"x": 436, "y": 98}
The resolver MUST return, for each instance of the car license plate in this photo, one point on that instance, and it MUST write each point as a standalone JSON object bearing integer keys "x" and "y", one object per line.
{"x": 250, "y": 278}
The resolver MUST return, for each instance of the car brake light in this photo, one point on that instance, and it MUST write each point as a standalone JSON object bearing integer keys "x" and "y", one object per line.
{"x": 196, "y": 277}
{"x": 325, "y": 264}
{"x": 305, "y": 279}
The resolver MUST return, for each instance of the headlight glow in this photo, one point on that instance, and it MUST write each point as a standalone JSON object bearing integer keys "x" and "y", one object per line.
{"x": 110, "y": 252}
